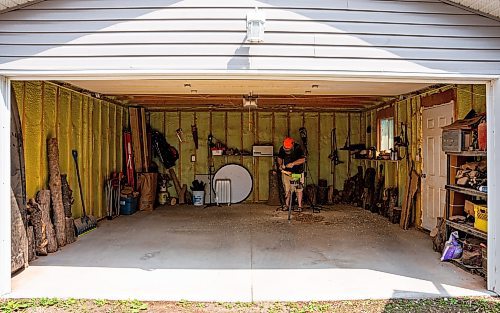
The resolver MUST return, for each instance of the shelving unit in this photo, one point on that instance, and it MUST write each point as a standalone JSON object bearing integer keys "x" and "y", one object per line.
{"x": 451, "y": 188}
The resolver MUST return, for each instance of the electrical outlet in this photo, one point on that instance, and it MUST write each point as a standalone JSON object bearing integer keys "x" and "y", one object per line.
{"x": 193, "y": 158}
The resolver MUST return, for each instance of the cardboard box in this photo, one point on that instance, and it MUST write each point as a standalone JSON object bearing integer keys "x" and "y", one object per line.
{"x": 469, "y": 207}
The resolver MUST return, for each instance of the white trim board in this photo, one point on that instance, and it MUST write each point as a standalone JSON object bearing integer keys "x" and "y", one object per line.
{"x": 5, "y": 201}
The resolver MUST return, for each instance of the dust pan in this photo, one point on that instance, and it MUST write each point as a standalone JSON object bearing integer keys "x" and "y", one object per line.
{"x": 87, "y": 222}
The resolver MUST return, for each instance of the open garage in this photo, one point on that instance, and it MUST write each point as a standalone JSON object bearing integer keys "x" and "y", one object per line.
{"x": 177, "y": 117}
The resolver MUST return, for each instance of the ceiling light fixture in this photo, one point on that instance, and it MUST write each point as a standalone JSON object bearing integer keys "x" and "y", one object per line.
{"x": 255, "y": 25}
{"x": 187, "y": 85}
{"x": 250, "y": 101}
{"x": 315, "y": 86}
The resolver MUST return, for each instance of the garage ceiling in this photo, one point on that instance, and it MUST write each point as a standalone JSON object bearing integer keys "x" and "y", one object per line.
{"x": 273, "y": 94}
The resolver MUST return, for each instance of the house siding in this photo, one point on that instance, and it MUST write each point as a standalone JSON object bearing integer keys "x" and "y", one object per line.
{"x": 349, "y": 36}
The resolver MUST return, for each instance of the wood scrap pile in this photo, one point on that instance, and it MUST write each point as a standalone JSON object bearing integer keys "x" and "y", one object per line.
{"x": 472, "y": 175}
{"x": 471, "y": 254}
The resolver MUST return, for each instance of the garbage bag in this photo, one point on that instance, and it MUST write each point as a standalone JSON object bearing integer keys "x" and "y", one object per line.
{"x": 452, "y": 248}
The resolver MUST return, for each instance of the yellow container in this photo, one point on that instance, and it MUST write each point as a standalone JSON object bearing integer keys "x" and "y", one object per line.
{"x": 481, "y": 217}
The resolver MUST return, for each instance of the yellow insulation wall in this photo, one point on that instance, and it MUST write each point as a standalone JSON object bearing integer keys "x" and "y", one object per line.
{"x": 409, "y": 111}
{"x": 243, "y": 129}
{"x": 91, "y": 126}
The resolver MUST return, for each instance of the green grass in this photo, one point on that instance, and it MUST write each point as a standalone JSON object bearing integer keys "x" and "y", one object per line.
{"x": 440, "y": 305}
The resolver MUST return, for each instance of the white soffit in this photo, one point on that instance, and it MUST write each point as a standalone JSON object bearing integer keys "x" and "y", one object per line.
{"x": 489, "y": 7}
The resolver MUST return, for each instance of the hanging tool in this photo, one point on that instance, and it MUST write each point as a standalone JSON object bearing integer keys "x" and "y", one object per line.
{"x": 87, "y": 222}
{"x": 194, "y": 131}
{"x": 334, "y": 154}
{"x": 129, "y": 158}
{"x": 303, "y": 137}
{"x": 180, "y": 134}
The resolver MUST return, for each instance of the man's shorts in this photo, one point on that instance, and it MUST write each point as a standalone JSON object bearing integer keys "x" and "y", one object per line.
{"x": 287, "y": 183}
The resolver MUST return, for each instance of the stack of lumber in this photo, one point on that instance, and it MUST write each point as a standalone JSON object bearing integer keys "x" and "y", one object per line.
{"x": 140, "y": 145}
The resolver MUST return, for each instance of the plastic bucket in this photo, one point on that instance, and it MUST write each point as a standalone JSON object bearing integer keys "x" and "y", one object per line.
{"x": 128, "y": 206}
{"x": 198, "y": 197}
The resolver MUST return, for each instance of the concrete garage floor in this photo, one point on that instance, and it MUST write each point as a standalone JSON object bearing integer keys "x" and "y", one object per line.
{"x": 247, "y": 253}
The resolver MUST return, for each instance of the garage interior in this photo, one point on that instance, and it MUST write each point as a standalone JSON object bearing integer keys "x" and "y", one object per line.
{"x": 354, "y": 230}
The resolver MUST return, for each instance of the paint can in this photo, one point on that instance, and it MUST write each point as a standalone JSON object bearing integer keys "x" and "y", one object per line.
{"x": 163, "y": 195}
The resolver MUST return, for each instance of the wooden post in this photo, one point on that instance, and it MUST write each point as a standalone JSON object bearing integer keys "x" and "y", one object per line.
{"x": 43, "y": 199}
{"x": 56, "y": 192}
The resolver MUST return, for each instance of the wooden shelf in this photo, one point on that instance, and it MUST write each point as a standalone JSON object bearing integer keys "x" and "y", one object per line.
{"x": 467, "y": 229}
{"x": 467, "y": 191}
{"x": 376, "y": 160}
{"x": 475, "y": 153}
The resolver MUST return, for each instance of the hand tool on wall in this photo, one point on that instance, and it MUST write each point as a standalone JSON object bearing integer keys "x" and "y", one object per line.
{"x": 334, "y": 154}
{"x": 180, "y": 134}
{"x": 86, "y": 222}
{"x": 194, "y": 131}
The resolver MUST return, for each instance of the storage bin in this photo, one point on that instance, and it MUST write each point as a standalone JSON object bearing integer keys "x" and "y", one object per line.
{"x": 128, "y": 206}
{"x": 481, "y": 217}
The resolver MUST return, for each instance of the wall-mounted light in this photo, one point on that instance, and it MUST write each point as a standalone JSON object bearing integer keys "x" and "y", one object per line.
{"x": 255, "y": 25}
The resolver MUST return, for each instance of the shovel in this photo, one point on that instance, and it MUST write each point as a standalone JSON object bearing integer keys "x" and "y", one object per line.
{"x": 85, "y": 223}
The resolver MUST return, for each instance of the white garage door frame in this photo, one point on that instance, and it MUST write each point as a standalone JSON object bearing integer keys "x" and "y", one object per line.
{"x": 493, "y": 117}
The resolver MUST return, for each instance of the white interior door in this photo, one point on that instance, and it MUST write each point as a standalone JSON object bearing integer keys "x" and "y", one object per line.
{"x": 434, "y": 163}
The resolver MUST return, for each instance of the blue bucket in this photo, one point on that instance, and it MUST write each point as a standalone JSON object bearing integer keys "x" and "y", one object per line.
{"x": 128, "y": 206}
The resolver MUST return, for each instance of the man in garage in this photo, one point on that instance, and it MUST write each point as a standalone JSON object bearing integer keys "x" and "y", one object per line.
{"x": 291, "y": 159}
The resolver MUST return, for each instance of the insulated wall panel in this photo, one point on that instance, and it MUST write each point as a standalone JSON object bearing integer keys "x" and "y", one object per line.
{"x": 47, "y": 111}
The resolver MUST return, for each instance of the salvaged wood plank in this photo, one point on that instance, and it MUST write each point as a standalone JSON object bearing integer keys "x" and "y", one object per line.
{"x": 19, "y": 240}
{"x": 136, "y": 138}
{"x": 144, "y": 140}
{"x": 43, "y": 199}
{"x": 30, "y": 232}
{"x": 70, "y": 230}
{"x": 56, "y": 191}
{"x": 411, "y": 191}
{"x": 35, "y": 219}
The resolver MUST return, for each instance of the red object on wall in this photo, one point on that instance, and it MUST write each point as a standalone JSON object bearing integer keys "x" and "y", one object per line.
{"x": 129, "y": 158}
{"x": 481, "y": 136}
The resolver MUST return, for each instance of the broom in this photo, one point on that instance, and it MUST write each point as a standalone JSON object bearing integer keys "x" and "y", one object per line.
{"x": 87, "y": 222}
